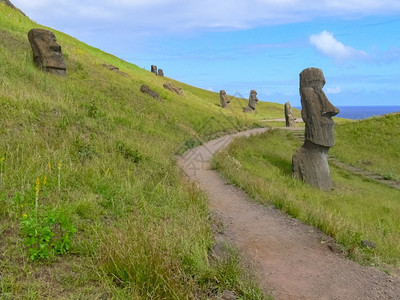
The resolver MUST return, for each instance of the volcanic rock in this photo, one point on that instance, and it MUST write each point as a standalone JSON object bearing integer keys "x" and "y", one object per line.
{"x": 47, "y": 53}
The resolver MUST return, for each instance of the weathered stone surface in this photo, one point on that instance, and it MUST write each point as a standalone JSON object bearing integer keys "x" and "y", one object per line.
{"x": 173, "y": 88}
{"x": 47, "y": 53}
{"x": 154, "y": 69}
{"x": 252, "y": 102}
{"x": 223, "y": 98}
{"x": 160, "y": 72}
{"x": 290, "y": 120}
{"x": 310, "y": 162}
{"x": 146, "y": 89}
{"x": 114, "y": 69}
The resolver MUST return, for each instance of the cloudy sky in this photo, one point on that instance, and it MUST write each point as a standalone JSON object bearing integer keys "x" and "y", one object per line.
{"x": 243, "y": 45}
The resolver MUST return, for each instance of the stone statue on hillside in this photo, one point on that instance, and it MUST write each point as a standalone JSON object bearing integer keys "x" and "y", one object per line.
{"x": 310, "y": 162}
{"x": 47, "y": 53}
{"x": 146, "y": 90}
{"x": 252, "y": 102}
{"x": 160, "y": 72}
{"x": 114, "y": 69}
{"x": 154, "y": 69}
{"x": 173, "y": 88}
{"x": 223, "y": 98}
{"x": 290, "y": 120}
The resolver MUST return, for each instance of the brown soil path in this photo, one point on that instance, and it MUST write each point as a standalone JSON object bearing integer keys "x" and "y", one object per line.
{"x": 292, "y": 260}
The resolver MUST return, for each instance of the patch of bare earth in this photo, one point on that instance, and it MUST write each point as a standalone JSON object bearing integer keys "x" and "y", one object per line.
{"x": 292, "y": 260}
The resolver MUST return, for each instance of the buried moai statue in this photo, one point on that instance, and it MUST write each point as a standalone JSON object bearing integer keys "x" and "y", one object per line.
{"x": 310, "y": 162}
{"x": 47, "y": 53}
{"x": 223, "y": 98}
{"x": 154, "y": 69}
{"x": 252, "y": 102}
{"x": 290, "y": 120}
{"x": 160, "y": 73}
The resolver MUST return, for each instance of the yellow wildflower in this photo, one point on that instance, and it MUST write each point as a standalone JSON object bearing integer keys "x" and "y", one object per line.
{"x": 24, "y": 215}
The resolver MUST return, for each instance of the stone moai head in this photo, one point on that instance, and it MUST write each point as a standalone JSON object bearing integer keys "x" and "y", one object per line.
{"x": 317, "y": 111}
{"x": 154, "y": 69}
{"x": 288, "y": 109}
{"x": 160, "y": 72}
{"x": 224, "y": 99}
{"x": 47, "y": 53}
{"x": 253, "y": 99}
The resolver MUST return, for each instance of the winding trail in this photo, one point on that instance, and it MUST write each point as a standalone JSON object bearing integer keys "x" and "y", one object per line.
{"x": 292, "y": 260}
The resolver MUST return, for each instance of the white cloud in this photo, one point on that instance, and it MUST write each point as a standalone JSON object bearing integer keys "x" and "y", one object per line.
{"x": 325, "y": 43}
{"x": 179, "y": 15}
{"x": 335, "y": 90}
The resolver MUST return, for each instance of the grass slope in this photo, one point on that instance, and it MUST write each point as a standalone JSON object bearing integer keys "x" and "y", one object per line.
{"x": 372, "y": 144}
{"x": 355, "y": 210}
{"x": 88, "y": 168}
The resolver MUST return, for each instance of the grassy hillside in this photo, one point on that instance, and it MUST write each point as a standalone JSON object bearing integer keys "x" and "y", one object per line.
{"x": 372, "y": 144}
{"x": 355, "y": 210}
{"x": 92, "y": 204}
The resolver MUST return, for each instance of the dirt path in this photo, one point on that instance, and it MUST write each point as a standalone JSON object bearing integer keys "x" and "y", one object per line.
{"x": 292, "y": 260}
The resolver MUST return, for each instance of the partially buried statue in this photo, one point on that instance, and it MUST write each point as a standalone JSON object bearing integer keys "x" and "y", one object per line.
{"x": 290, "y": 120}
{"x": 223, "y": 98}
{"x": 252, "y": 102}
{"x": 310, "y": 162}
{"x": 47, "y": 53}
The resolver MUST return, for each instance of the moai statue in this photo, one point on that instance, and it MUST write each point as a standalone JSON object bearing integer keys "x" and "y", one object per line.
{"x": 160, "y": 73}
{"x": 47, "y": 53}
{"x": 252, "y": 102}
{"x": 310, "y": 162}
{"x": 146, "y": 90}
{"x": 223, "y": 98}
{"x": 290, "y": 120}
{"x": 154, "y": 69}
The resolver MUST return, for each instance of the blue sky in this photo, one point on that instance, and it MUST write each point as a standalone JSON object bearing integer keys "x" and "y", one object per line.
{"x": 243, "y": 45}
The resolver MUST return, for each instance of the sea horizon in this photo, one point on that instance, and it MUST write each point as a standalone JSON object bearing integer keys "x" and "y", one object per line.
{"x": 357, "y": 112}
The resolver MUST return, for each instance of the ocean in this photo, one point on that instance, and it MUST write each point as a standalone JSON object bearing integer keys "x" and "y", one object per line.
{"x": 363, "y": 112}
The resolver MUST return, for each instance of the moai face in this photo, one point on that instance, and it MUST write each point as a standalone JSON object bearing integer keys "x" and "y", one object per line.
{"x": 253, "y": 99}
{"x": 317, "y": 111}
{"x": 223, "y": 98}
{"x": 47, "y": 53}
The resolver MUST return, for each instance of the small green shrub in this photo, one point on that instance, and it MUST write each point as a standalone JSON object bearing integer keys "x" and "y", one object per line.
{"x": 47, "y": 235}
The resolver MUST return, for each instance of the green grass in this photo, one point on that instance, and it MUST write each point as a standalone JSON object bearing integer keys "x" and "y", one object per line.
{"x": 355, "y": 210}
{"x": 105, "y": 155}
{"x": 372, "y": 144}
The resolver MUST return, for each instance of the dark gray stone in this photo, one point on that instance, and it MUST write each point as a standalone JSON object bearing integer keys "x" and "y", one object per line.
{"x": 47, "y": 53}
{"x": 146, "y": 89}
{"x": 310, "y": 162}
{"x": 173, "y": 88}
{"x": 154, "y": 69}
{"x": 114, "y": 69}
{"x": 252, "y": 102}
{"x": 223, "y": 98}
{"x": 290, "y": 120}
{"x": 368, "y": 244}
{"x": 160, "y": 73}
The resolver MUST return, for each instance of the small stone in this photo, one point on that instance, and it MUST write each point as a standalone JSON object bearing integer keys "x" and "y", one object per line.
{"x": 228, "y": 295}
{"x": 368, "y": 244}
